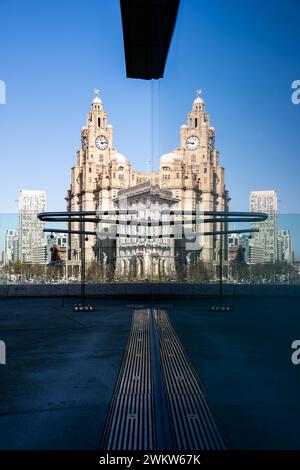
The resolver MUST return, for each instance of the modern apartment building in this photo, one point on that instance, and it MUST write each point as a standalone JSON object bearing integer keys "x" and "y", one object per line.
{"x": 30, "y": 227}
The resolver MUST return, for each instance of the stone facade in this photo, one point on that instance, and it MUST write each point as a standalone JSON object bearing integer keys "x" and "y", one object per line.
{"x": 190, "y": 174}
{"x": 153, "y": 256}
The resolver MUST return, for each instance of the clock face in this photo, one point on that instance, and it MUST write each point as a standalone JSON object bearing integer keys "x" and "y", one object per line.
{"x": 192, "y": 142}
{"x": 84, "y": 143}
{"x": 211, "y": 143}
{"x": 101, "y": 142}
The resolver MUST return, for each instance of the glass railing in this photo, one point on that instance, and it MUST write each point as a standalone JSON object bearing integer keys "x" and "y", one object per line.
{"x": 165, "y": 248}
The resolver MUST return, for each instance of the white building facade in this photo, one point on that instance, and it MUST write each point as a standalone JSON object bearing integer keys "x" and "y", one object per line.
{"x": 11, "y": 249}
{"x": 31, "y": 236}
{"x": 263, "y": 245}
{"x": 285, "y": 248}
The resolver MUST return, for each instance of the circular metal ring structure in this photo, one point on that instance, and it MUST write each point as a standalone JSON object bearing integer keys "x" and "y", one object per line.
{"x": 198, "y": 217}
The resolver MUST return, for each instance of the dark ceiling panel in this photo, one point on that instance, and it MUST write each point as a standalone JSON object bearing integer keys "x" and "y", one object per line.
{"x": 147, "y": 29}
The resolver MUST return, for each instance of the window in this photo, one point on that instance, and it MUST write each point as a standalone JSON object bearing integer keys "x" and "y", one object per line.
{"x": 196, "y": 122}
{"x": 99, "y": 122}
{"x": 205, "y": 169}
{"x": 90, "y": 170}
{"x": 177, "y": 175}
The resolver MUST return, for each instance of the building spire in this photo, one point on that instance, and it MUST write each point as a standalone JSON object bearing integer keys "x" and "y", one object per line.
{"x": 97, "y": 99}
{"x": 198, "y": 101}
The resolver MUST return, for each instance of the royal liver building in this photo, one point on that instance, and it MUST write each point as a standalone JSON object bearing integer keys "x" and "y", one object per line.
{"x": 189, "y": 178}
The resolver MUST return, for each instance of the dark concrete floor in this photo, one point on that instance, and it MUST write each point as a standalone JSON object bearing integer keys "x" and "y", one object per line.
{"x": 61, "y": 369}
{"x": 244, "y": 359}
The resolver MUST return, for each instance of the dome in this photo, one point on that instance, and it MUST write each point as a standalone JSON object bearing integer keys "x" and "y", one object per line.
{"x": 97, "y": 100}
{"x": 119, "y": 158}
{"x": 168, "y": 158}
{"x": 198, "y": 100}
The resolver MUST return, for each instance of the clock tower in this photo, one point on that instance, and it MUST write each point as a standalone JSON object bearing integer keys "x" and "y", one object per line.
{"x": 202, "y": 169}
{"x": 190, "y": 175}
{"x": 92, "y": 166}
{"x": 197, "y": 137}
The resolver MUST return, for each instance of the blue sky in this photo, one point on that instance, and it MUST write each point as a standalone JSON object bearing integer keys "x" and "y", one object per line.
{"x": 243, "y": 55}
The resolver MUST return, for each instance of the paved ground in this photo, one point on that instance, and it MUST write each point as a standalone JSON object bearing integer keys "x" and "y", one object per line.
{"x": 61, "y": 369}
{"x": 244, "y": 359}
{"x": 60, "y": 373}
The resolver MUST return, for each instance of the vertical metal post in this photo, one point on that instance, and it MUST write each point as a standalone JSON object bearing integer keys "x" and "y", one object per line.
{"x": 221, "y": 264}
{"x": 82, "y": 264}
